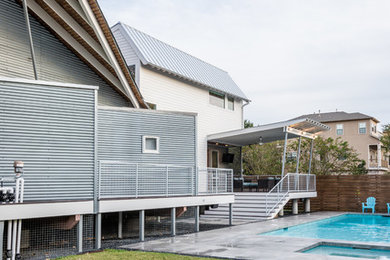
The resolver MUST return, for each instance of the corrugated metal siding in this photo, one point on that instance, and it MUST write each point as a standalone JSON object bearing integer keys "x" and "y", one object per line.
{"x": 120, "y": 136}
{"x": 51, "y": 129}
{"x": 161, "y": 55}
{"x": 55, "y": 62}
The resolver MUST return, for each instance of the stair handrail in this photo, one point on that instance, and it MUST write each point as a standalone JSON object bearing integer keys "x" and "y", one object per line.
{"x": 277, "y": 186}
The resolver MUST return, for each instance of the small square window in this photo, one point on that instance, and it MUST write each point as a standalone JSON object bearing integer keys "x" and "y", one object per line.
{"x": 339, "y": 129}
{"x": 362, "y": 128}
{"x": 150, "y": 144}
{"x": 230, "y": 103}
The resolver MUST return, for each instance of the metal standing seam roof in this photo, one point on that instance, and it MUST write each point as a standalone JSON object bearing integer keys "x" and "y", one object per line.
{"x": 269, "y": 132}
{"x": 162, "y": 56}
{"x": 337, "y": 116}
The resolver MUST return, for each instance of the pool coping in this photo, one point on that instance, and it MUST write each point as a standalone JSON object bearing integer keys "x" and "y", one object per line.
{"x": 243, "y": 241}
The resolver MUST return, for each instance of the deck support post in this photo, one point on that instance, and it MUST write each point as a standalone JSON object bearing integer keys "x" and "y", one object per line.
{"x": 1, "y": 237}
{"x": 98, "y": 231}
{"x": 295, "y": 207}
{"x": 173, "y": 222}
{"x": 230, "y": 214}
{"x": 142, "y": 225}
{"x": 80, "y": 235}
{"x": 307, "y": 205}
{"x": 120, "y": 224}
{"x": 284, "y": 152}
{"x": 281, "y": 212}
{"x": 197, "y": 212}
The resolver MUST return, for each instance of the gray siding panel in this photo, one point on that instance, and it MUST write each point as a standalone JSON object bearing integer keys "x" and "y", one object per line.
{"x": 120, "y": 137}
{"x": 51, "y": 129}
{"x": 55, "y": 62}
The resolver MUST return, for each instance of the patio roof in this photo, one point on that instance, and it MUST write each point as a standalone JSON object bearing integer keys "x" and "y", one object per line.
{"x": 304, "y": 127}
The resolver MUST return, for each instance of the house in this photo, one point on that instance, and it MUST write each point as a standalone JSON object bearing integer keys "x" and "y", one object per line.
{"x": 171, "y": 79}
{"x": 96, "y": 159}
{"x": 361, "y": 132}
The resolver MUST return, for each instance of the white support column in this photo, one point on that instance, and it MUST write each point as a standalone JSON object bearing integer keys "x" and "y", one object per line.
{"x": 298, "y": 154}
{"x": 281, "y": 212}
{"x": 173, "y": 222}
{"x": 230, "y": 214}
{"x": 197, "y": 212}
{"x": 120, "y": 224}
{"x": 379, "y": 155}
{"x": 142, "y": 225}
{"x": 311, "y": 155}
{"x": 80, "y": 235}
{"x": 98, "y": 231}
{"x": 1, "y": 237}
{"x": 295, "y": 207}
{"x": 284, "y": 152}
{"x": 307, "y": 205}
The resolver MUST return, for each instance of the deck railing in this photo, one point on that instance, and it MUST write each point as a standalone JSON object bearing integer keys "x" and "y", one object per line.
{"x": 215, "y": 181}
{"x": 291, "y": 182}
{"x": 124, "y": 179}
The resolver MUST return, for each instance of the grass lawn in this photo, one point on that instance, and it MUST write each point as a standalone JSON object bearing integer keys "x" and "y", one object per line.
{"x": 114, "y": 254}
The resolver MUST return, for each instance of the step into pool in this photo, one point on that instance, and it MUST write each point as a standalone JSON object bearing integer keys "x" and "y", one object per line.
{"x": 349, "y": 251}
{"x": 351, "y": 227}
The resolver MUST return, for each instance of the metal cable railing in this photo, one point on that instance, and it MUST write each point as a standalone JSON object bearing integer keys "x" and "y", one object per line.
{"x": 123, "y": 179}
{"x": 291, "y": 182}
{"x": 215, "y": 181}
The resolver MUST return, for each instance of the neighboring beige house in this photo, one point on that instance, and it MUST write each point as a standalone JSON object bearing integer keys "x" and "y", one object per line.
{"x": 361, "y": 132}
{"x": 170, "y": 79}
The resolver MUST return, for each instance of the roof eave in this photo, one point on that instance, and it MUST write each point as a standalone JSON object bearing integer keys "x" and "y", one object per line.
{"x": 169, "y": 72}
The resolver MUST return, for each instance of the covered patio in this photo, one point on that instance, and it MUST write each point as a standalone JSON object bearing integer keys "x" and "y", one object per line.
{"x": 276, "y": 190}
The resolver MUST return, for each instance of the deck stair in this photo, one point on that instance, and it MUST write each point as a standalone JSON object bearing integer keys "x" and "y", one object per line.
{"x": 248, "y": 206}
{"x": 266, "y": 205}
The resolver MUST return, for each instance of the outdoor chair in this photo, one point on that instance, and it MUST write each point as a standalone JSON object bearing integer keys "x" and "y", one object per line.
{"x": 369, "y": 204}
{"x": 263, "y": 184}
{"x": 388, "y": 208}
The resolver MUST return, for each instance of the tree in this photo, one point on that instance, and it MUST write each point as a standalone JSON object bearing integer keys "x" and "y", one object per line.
{"x": 262, "y": 159}
{"x": 247, "y": 123}
{"x": 385, "y": 139}
{"x": 330, "y": 156}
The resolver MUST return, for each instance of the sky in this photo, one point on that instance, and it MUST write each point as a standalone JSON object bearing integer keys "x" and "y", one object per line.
{"x": 290, "y": 57}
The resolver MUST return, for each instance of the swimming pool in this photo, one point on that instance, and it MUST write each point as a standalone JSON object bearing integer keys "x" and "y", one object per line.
{"x": 351, "y": 227}
{"x": 349, "y": 251}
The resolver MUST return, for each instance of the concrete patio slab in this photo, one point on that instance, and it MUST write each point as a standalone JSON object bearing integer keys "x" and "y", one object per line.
{"x": 244, "y": 241}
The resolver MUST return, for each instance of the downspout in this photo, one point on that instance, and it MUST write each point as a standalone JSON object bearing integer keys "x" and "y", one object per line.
{"x": 30, "y": 38}
{"x": 242, "y": 126}
{"x": 242, "y": 113}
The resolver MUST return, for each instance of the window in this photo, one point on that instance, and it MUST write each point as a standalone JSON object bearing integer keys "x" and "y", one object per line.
{"x": 373, "y": 128}
{"x": 362, "y": 128}
{"x": 152, "y": 106}
{"x": 230, "y": 103}
{"x": 217, "y": 99}
{"x": 339, "y": 129}
{"x": 214, "y": 159}
{"x": 132, "y": 71}
{"x": 150, "y": 144}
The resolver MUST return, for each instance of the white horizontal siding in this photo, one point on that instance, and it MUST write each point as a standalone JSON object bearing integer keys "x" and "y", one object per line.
{"x": 174, "y": 95}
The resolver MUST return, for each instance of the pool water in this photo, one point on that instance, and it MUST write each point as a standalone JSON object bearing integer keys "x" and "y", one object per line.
{"x": 349, "y": 252}
{"x": 351, "y": 227}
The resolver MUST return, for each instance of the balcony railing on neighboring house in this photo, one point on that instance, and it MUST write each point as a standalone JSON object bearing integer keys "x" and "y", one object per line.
{"x": 125, "y": 179}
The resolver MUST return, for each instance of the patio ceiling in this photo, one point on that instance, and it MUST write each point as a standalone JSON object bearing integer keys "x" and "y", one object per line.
{"x": 271, "y": 132}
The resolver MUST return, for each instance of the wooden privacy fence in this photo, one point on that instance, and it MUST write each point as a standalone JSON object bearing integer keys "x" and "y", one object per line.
{"x": 347, "y": 192}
